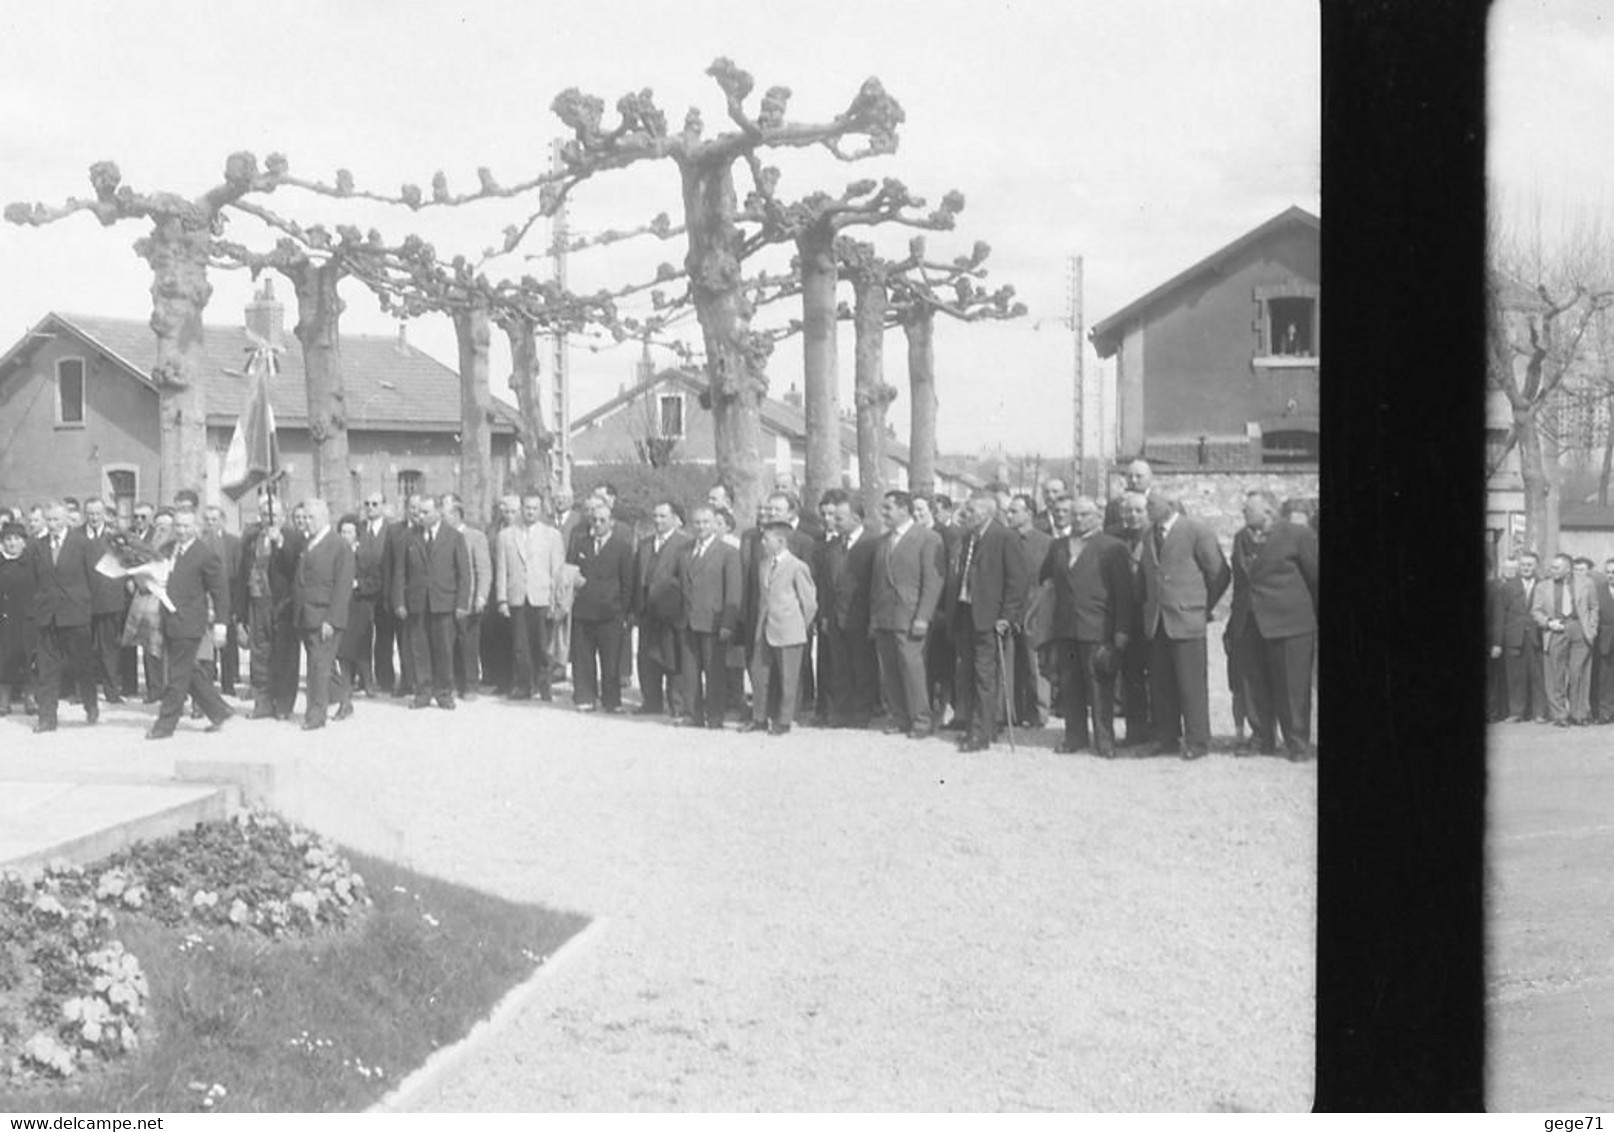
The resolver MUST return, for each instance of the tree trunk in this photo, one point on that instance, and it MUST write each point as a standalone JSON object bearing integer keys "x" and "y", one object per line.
{"x": 820, "y": 373}
{"x": 735, "y": 356}
{"x": 536, "y": 444}
{"x": 1540, "y": 502}
{"x": 471, "y": 329}
{"x": 873, "y": 395}
{"x": 319, "y": 330}
{"x": 919, "y": 324}
{"x": 178, "y": 256}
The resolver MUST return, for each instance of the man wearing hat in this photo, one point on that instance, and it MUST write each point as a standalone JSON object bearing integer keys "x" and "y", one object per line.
{"x": 1091, "y": 577}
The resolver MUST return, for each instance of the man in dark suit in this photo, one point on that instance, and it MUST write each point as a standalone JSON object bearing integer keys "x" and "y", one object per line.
{"x": 64, "y": 584}
{"x": 1134, "y": 681}
{"x": 1091, "y": 583}
{"x": 710, "y": 578}
{"x": 1520, "y": 645}
{"x": 1028, "y": 684}
{"x": 265, "y": 609}
{"x": 228, "y": 547}
{"x": 656, "y": 609}
{"x": 1184, "y": 575}
{"x": 1603, "y": 647}
{"x": 846, "y": 575}
{"x": 604, "y": 557}
{"x": 985, "y": 591}
{"x": 200, "y": 596}
{"x": 377, "y": 542}
{"x": 369, "y": 589}
{"x": 431, "y": 584}
{"x": 324, "y": 591}
{"x": 109, "y": 605}
{"x": 1273, "y": 623}
{"x": 904, "y": 590}
{"x": 394, "y": 551}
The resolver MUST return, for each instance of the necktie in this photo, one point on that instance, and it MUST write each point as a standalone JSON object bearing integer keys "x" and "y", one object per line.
{"x": 1159, "y": 542}
{"x": 1563, "y": 606}
{"x": 55, "y": 548}
{"x": 964, "y": 568}
{"x": 598, "y": 543}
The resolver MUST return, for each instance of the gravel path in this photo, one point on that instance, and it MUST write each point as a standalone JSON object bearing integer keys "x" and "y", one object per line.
{"x": 838, "y": 920}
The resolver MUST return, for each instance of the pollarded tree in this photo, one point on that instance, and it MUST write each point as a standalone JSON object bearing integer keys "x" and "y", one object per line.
{"x": 871, "y": 311}
{"x": 178, "y": 250}
{"x": 920, "y": 290}
{"x": 736, "y": 356}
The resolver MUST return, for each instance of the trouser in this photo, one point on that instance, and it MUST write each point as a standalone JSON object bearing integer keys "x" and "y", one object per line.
{"x": 561, "y": 651}
{"x": 1567, "y": 674}
{"x": 431, "y": 641}
{"x": 1603, "y": 685}
{"x": 106, "y": 649}
{"x": 659, "y": 686}
{"x": 1084, "y": 692}
{"x": 468, "y": 654}
{"x": 1243, "y": 653}
{"x": 229, "y": 661}
{"x": 1178, "y": 689}
{"x": 902, "y": 677}
{"x": 387, "y": 629}
{"x": 358, "y": 645}
{"x": 1032, "y": 701}
{"x": 941, "y": 661}
{"x": 274, "y": 658}
{"x": 186, "y": 679}
{"x": 498, "y": 642}
{"x": 854, "y": 674}
{"x": 597, "y": 662}
{"x": 771, "y": 666}
{"x": 129, "y": 670}
{"x": 64, "y": 649}
{"x": 705, "y": 677}
{"x": 1526, "y": 676}
{"x": 1278, "y": 672}
{"x": 529, "y": 631}
{"x": 324, "y": 677}
{"x": 1134, "y": 689}
{"x": 977, "y": 683}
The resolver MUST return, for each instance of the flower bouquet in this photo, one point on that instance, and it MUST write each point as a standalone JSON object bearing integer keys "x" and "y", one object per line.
{"x": 148, "y": 566}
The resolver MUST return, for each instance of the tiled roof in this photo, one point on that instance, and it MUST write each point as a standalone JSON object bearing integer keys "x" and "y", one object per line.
{"x": 389, "y": 387}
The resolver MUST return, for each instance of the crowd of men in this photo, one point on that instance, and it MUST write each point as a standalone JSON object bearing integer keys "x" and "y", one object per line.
{"x": 1551, "y": 641}
{"x": 999, "y": 614}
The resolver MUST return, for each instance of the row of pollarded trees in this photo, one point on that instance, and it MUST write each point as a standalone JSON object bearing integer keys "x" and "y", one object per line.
{"x": 721, "y": 231}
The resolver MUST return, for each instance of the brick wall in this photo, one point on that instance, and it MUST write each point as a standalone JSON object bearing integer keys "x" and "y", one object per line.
{"x": 1217, "y": 498}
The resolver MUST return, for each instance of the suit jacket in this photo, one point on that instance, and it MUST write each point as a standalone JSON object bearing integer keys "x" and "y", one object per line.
{"x": 1275, "y": 582}
{"x": 395, "y": 541}
{"x": 199, "y": 591}
{"x": 658, "y": 598}
{"x": 368, "y": 559}
{"x": 325, "y": 582}
{"x": 846, "y": 576}
{"x": 1182, "y": 583}
{"x": 607, "y": 576}
{"x": 711, "y": 586}
{"x": 107, "y": 595}
{"x": 997, "y": 577}
{"x": 798, "y": 542}
{"x": 787, "y": 601}
{"x": 476, "y": 545}
{"x": 1605, "y": 614}
{"x": 64, "y": 589}
{"x": 530, "y": 563}
{"x": 1517, "y": 627}
{"x": 1583, "y": 599}
{"x": 1039, "y": 604}
{"x": 433, "y": 577}
{"x": 906, "y": 580}
{"x": 1091, "y": 597}
{"x": 282, "y": 570}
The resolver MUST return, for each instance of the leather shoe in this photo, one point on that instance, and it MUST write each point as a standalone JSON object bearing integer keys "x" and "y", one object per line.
{"x": 218, "y": 724}
{"x": 416, "y": 705}
{"x": 313, "y": 724}
{"x": 968, "y": 746}
{"x": 154, "y": 733}
{"x": 343, "y": 712}
{"x": 446, "y": 705}
{"x": 1069, "y": 749}
{"x": 751, "y": 725}
{"x": 687, "y": 721}
{"x": 1191, "y": 753}
{"x": 893, "y": 729}
{"x": 779, "y": 729}
{"x": 1166, "y": 749}
{"x": 1106, "y": 752}
{"x": 39, "y": 728}
{"x": 113, "y": 698}
{"x": 921, "y": 733}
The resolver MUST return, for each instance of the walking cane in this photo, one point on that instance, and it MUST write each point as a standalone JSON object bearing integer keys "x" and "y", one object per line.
{"x": 1003, "y": 682}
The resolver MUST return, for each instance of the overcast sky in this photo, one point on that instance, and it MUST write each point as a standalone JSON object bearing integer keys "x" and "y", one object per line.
{"x": 1141, "y": 136}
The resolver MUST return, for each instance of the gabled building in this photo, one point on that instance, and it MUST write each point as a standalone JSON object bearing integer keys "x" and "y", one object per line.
{"x": 661, "y": 415}
{"x": 1218, "y": 367}
{"x": 78, "y": 410}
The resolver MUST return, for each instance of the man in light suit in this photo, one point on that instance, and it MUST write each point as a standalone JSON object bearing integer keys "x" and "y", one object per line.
{"x": 567, "y": 520}
{"x": 656, "y": 608}
{"x": 431, "y": 584}
{"x": 847, "y": 574}
{"x": 1565, "y": 609}
{"x": 64, "y": 586}
{"x": 468, "y": 636}
{"x": 1519, "y": 643}
{"x": 1184, "y": 575}
{"x": 603, "y": 555}
{"x": 324, "y": 591}
{"x": 710, "y": 577}
{"x": 986, "y": 588}
{"x": 200, "y": 595}
{"x": 787, "y": 602}
{"x": 1273, "y": 623}
{"x": 531, "y": 558}
{"x": 904, "y": 589}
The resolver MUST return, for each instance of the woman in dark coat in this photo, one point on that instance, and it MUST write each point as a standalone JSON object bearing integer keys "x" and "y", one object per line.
{"x": 16, "y": 620}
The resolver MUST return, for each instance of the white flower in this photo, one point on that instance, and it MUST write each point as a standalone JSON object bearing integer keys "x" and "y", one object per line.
{"x": 47, "y": 905}
{"x": 307, "y": 901}
{"x": 44, "y": 1050}
{"x": 239, "y": 913}
{"x": 135, "y": 897}
{"x": 204, "y": 899}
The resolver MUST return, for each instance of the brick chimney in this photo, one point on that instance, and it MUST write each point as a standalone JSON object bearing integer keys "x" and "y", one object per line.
{"x": 266, "y": 316}
{"x": 793, "y": 397}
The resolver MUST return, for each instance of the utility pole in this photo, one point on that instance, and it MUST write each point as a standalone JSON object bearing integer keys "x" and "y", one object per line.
{"x": 563, "y": 415}
{"x": 1079, "y": 470}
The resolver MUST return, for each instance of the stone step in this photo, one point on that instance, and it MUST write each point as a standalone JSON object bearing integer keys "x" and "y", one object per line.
{"x": 81, "y": 822}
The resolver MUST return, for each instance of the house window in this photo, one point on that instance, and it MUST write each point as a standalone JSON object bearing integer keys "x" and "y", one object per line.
{"x": 1286, "y": 325}
{"x": 410, "y": 483}
{"x": 1291, "y": 323}
{"x": 1295, "y": 446}
{"x": 70, "y": 391}
{"x": 122, "y": 485}
{"x": 671, "y": 416}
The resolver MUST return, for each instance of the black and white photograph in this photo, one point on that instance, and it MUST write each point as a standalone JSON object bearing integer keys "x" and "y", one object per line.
{"x": 736, "y": 557}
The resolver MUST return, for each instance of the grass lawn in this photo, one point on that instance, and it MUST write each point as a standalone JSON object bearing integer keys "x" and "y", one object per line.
{"x": 326, "y": 1023}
